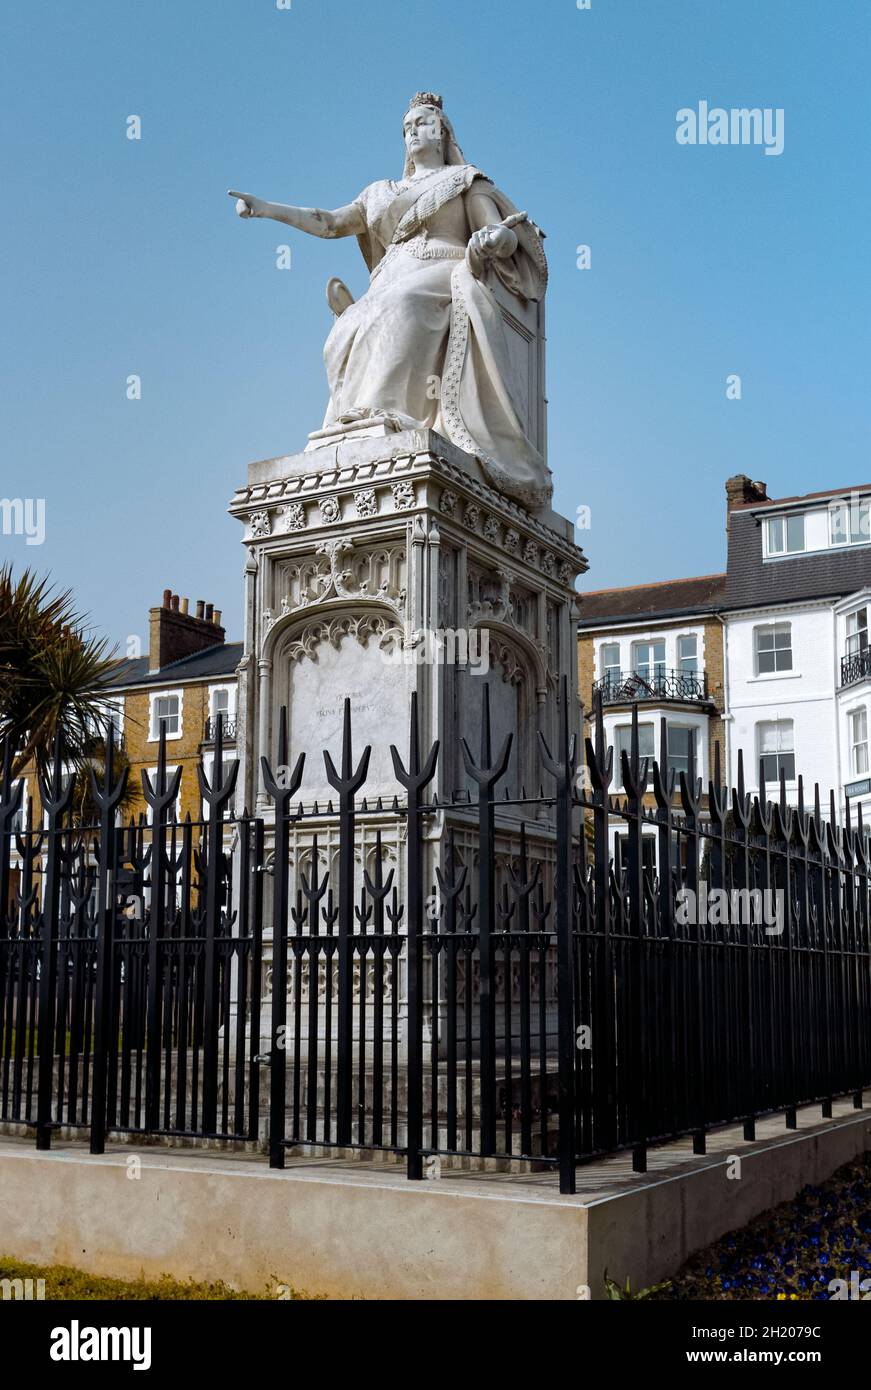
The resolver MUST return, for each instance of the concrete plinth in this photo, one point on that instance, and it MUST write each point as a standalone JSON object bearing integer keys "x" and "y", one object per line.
{"x": 348, "y": 1229}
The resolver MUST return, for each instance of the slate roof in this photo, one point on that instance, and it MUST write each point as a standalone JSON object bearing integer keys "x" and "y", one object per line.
{"x": 211, "y": 664}
{"x": 671, "y": 598}
{"x": 772, "y": 503}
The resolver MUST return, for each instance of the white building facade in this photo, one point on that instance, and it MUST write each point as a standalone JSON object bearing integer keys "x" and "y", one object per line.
{"x": 798, "y": 674}
{"x": 770, "y": 659}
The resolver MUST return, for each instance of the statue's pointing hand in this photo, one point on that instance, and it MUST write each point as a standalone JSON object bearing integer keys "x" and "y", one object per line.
{"x": 247, "y": 205}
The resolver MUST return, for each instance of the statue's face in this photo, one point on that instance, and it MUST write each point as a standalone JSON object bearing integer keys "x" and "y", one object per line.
{"x": 422, "y": 128}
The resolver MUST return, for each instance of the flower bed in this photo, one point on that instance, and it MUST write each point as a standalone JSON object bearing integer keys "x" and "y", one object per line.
{"x": 794, "y": 1251}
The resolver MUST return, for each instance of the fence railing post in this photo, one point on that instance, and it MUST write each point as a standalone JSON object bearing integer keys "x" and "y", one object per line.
{"x": 216, "y": 793}
{"x": 55, "y": 798}
{"x": 562, "y": 769}
{"x": 742, "y": 816}
{"x": 783, "y": 821}
{"x": 107, "y": 802}
{"x": 10, "y": 804}
{"x": 281, "y": 786}
{"x": 691, "y": 801}
{"x": 863, "y": 1032}
{"x": 414, "y": 778}
{"x": 159, "y": 798}
{"x": 600, "y": 765}
{"x": 635, "y": 778}
{"x": 347, "y": 784}
{"x": 486, "y": 773}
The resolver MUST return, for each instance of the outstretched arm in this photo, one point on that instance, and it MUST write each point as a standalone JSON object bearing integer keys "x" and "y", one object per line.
{"x": 347, "y": 221}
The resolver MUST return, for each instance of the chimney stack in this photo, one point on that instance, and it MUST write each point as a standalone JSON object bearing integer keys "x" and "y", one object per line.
{"x": 740, "y": 490}
{"x": 175, "y": 634}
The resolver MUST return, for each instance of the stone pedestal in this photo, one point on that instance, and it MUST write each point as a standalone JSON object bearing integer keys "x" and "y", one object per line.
{"x": 358, "y": 550}
{"x": 381, "y": 564}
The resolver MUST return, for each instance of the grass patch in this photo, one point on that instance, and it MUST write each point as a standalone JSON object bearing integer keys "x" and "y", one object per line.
{"x": 64, "y": 1282}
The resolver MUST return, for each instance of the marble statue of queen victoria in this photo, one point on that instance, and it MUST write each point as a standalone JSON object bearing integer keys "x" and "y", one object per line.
{"x": 435, "y": 242}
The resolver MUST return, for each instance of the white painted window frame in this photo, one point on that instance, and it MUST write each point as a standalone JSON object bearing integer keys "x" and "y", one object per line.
{"x": 171, "y": 770}
{"x": 855, "y": 744}
{"x": 764, "y": 628}
{"x": 618, "y": 761}
{"x": 153, "y": 730}
{"x": 223, "y": 686}
{"x": 760, "y": 725}
{"x": 852, "y": 637}
{"x": 783, "y": 552}
{"x": 679, "y": 660}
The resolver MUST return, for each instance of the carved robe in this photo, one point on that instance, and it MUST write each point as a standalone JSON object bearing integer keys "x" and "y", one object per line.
{"x": 427, "y": 342}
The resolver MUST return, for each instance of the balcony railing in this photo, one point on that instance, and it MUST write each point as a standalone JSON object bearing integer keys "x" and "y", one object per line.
{"x": 229, "y": 728}
{"x": 628, "y": 687}
{"x": 855, "y": 666}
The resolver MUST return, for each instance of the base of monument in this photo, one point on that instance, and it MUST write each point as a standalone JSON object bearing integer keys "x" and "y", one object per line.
{"x": 367, "y": 427}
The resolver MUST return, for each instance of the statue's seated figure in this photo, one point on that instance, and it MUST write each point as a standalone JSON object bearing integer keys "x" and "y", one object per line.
{"x": 449, "y": 334}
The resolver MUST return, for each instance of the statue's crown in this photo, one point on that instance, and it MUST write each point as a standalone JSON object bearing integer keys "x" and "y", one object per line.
{"x": 425, "y": 99}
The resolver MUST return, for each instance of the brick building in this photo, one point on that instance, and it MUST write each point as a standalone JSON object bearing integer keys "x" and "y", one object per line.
{"x": 186, "y": 681}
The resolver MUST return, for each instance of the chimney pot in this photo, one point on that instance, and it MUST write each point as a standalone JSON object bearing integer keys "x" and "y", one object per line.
{"x": 208, "y": 614}
{"x": 217, "y": 617}
{"x": 172, "y": 637}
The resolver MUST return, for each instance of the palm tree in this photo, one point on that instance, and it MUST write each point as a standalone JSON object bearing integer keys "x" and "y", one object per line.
{"x": 53, "y": 673}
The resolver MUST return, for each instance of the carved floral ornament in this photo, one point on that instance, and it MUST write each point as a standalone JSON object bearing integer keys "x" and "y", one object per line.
{"x": 377, "y": 627}
{"x": 339, "y": 570}
{"x": 334, "y": 630}
{"x": 365, "y": 502}
{"x": 293, "y": 517}
{"x": 403, "y": 495}
{"x": 512, "y": 541}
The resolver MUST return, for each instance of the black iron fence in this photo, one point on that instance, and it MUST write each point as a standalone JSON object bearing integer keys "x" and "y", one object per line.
{"x": 482, "y": 977}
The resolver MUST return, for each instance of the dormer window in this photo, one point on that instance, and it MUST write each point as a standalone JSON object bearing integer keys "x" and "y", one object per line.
{"x": 849, "y": 523}
{"x": 785, "y": 534}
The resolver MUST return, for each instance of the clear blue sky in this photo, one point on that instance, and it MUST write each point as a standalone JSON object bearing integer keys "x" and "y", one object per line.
{"x": 125, "y": 257}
